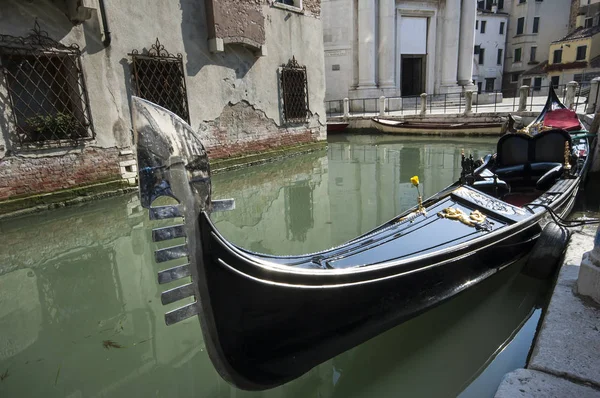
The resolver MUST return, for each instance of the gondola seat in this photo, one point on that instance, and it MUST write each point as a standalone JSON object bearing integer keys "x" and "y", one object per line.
{"x": 531, "y": 161}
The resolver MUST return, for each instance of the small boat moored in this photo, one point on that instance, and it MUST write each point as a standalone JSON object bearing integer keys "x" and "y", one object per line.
{"x": 268, "y": 319}
{"x": 430, "y": 128}
{"x": 336, "y": 127}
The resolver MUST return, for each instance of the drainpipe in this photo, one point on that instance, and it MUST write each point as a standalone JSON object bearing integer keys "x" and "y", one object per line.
{"x": 107, "y": 38}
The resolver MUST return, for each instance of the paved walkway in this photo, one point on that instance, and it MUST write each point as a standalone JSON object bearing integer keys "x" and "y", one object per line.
{"x": 565, "y": 361}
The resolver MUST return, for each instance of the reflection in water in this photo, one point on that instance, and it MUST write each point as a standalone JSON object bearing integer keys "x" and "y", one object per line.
{"x": 80, "y": 312}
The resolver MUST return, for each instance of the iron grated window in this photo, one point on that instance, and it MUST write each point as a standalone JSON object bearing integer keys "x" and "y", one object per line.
{"x": 46, "y": 90}
{"x": 294, "y": 88}
{"x": 159, "y": 78}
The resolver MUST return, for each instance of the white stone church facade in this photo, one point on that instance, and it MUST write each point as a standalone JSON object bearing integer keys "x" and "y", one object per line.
{"x": 397, "y": 47}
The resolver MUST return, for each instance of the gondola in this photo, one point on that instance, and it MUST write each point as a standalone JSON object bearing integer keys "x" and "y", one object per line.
{"x": 268, "y": 319}
{"x": 554, "y": 115}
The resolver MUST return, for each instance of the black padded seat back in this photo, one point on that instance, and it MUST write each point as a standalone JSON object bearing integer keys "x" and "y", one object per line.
{"x": 512, "y": 149}
{"x": 549, "y": 146}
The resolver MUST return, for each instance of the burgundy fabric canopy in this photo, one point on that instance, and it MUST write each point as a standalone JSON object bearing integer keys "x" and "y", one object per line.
{"x": 563, "y": 119}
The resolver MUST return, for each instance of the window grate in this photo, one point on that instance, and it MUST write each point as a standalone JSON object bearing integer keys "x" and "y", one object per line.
{"x": 294, "y": 86}
{"x": 158, "y": 76}
{"x": 46, "y": 91}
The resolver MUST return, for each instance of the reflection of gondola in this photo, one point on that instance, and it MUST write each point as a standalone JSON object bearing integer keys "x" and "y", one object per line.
{"x": 553, "y": 115}
{"x": 268, "y": 319}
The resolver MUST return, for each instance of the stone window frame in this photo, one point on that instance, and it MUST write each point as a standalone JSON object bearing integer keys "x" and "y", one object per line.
{"x": 293, "y": 84}
{"x": 295, "y": 8}
{"x": 518, "y": 51}
{"x": 581, "y": 53}
{"x": 520, "y": 26}
{"x": 157, "y": 65}
{"x": 46, "y": 94}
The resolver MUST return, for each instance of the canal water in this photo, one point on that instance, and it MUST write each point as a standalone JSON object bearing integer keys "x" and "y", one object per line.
{"x": 80, "y": 311}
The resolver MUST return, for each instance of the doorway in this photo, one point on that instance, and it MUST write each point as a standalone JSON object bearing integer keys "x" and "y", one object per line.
{"x": 413, "y": 74}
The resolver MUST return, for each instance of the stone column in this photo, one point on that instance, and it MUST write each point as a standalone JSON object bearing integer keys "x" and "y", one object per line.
{"x": 366, "y": 44}
{"x": 467, "y": 42}
{"x": 570, "y": 97}
{"x": 346, "y": 107}
{"x": 381, "y": 106}
{"x": 423, "y": 104}
{"x": 450, "y": 41}
{"x": 523, "y": 94}
{"x": 588, "y": 281}
{"x": 468, "y": 102}
{"x": 387, "y": 48}
{"x": 593, "y": 98}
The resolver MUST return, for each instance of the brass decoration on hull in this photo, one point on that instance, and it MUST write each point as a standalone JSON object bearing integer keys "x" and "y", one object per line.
{"x": 567, "y": 164}
{"x": 475, "y": 219}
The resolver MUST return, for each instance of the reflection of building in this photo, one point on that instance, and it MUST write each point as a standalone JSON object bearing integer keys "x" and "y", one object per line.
{"x": 299, "y": 217}
{"x": 397, "y": 48}
{"x": 65, "y": 87}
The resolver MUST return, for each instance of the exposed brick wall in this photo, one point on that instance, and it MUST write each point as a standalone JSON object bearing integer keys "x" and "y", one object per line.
{"x": 242, "y": 129}
{"x": 23, "y": 176}
{"x": 312, "y": 7}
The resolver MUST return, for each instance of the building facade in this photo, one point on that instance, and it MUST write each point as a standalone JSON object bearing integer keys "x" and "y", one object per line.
{"x": 397, "y": 48}
{"x": 69, "y": 68}
{"x": 490, "y": 49}
{"x": 575, "y": 57}
{"x": 532, "y": 26}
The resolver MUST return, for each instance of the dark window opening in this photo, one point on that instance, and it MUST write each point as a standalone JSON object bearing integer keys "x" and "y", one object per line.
{"x": 581, "y": 53}
{"x": 537, "y": 83}
{"x": 501, "y": 28}
{"x": 499, "y": 57}
{"x": 514, "y": 77}
{"x": 536, "y": 24}
{"x": 532, "y": 53}
{"x": 557, "y": 57}
{"x": 294, "y": 88}
{"x": 517, "y": 57}
{"x": 481, "y": 56}
{"x": 483, "y": 23}
{"x": 476, "y": 49}
{"x": 500, "y": 4}
{"x": 589, "y": 22}
{"x": 479, "y": 84}
{"x": 489, "y": 84}
{"x": 520, "y": 25}
{"x": 159, "y": 78}
{"x": 46, "y": 89}
{"x": 476, "y": 25}
{"x": 555, "y": 81}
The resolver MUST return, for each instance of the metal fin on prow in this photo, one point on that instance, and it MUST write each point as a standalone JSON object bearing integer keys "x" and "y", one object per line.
{"x": 173, "y": 162}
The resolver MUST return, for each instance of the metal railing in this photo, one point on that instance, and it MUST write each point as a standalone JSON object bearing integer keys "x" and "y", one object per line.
{"x": 496, "y": 101}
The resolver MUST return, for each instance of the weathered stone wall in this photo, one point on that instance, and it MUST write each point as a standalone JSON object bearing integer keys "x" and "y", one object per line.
{"x": 213, "y": 81}
{"x": 241, "y": 128}
{"x": 23, "y": 175}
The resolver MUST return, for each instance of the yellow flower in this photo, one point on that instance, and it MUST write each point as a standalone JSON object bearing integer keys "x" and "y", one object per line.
{"x": 415, "y": 181}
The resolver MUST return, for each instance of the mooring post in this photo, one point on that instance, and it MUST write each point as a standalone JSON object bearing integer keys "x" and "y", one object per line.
{"x": 423, "y": 104}
{"x": 346, "y": 107}
{"x": 588, "y": 281}
{"x": 523, "y": 94}
{"x": 468, "y": 102}
{"x": 593, "y": 97}
{"x": 570, "y": 97}
{"x": 382, "y": 106}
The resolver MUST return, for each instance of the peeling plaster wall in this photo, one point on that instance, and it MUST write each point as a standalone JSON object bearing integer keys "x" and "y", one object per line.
{"x": 214, "y": 81}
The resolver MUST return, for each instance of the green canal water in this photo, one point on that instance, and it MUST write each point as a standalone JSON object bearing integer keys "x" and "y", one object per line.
{"x": 80, "y": 311}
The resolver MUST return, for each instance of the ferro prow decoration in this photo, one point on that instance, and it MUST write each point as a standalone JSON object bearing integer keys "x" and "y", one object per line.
{"x": 268, "y": 319}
